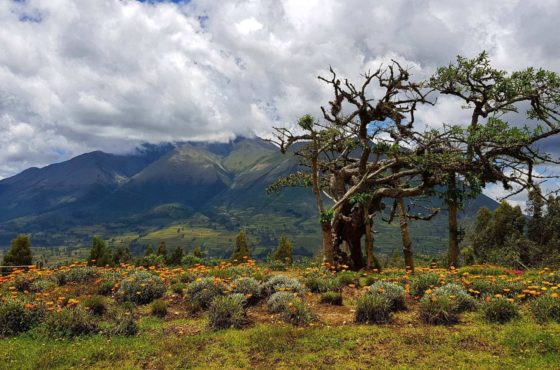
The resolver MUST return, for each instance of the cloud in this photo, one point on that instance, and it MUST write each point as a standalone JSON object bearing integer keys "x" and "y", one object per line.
{"x": 106, "y": 74}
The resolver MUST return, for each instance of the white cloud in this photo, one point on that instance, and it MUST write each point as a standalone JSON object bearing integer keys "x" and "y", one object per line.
{"x": 109, "y": 74}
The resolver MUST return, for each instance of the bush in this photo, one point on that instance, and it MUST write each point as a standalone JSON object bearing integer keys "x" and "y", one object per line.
{"x": 392, "y": 291}
{"x": 249, "y": 288}
{"x": 105, "y": 288}
{"x": 422, "y": 282}
{"x": 187, "y": 277}
{"x": 189, "y": 260}
{"x": 332, "y": 298}
{"x": 279, "y": 301}
{"x": 141, "y": 287}
{"x": 200, "y": 293}
{"x": 15, "y": 318}
{"x": 80, "y": 275}
{"x": 281, "y": 283}
{"x": 373, "y": 309}
{"x": 296, "y": 313}
{"x": 96, "y": 305}
{"x": 42, "y": 285}
{"x": 546, "y": 308}
{"x": 227, "y": 312}
{"x": 500, "y": 310}
{"x": 125, "y": 325}
{"x": 23, "y": 282}
{"x": 69, "y": 323}
{"x": 463, "y": 301}
{"x": 321, "y": 281}
{"x": 178, "y": 288}
{"x": 158, "y": 308}
{"x": 348, "y": 277}
{"x": 275, "y": 265}
{"x": 438, "y": 310}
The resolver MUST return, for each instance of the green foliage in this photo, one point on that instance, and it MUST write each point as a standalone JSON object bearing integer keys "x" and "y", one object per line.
{"x": 105, "y": 288}
{"x": 348, "y": 277}
{"x": 248, "y": 287}
{"x": 125, "y": 325}
{"x": 158, "y": 308}
{"x": 332, "y": 298}
{"x": 438, "y": 310}
{"x": 19, "y": 253}
{"x": 162, "y": 250}
{"x": 321, "y": 281}
{"x": 141, "y": 287}
{"x": 241, "y": 249}
{"x": 546, "y": 308}
{"x": 121, "y": 254}
{"x": 306, "y": 122}
{"x": 373, "y": 309}
{"x": 149, "y": 250}
{"x": 96, "y": 305}
{"x": 297, "y": 313}
{"x": 176, "y": 257}
{"x": 393, "y": 292}
{"x": 457, "y": 294}
{"x": 197, "y": 252}
{"x": 284, "y": 251}
{"x": 227, "y": 312}
{"x": 23, "y": 282}
{"x": 281, "y": 283}
{"x": 99, "y": 254}
{"x": 69, "y": 323}
{"x": 200, "y": 293}
{"x": 500, "y": 310}
{"x": 279, "y": 302}
{"x": 191, "y": 260}
{"x": 326, "y": 216}
{"x": 422, "y": 282}
{"x": 42, "y": 285}
{"x": 178, "y": 288}
{"x": 152, "y": 259}
{"x": 75, "y": 275}
{"x": 15, "y": 318}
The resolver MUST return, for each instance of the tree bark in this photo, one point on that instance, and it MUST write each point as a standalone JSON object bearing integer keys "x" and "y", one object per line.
{"x": 328, "y": 245}
{"x": 406, "y": 241}
{"x": 453, "y": 206}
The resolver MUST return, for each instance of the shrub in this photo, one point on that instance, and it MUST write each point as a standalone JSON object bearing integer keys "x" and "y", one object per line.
{"x": 296, "y": 313}
{"x": 141, "y": 287}
{"x": 69, "y": 323}
{"x": 105, "y": 288}
{"x": 422, "y": 282}
{"x": 492, "y": 286}
{"x": 189, "y": 260}
{"x": 332, "y": 298}
{"x": 125, "y": 325}
{"x": 484, "y": 270}
{"x": 200, "y": 293}
{"x": 96, "y": 305}
{"x": 281, "y": 283}
{"x": 15, "y": 318}
{"x": 546, "y": 308}
{"x": 500, "y": 310}
{"x": 373, "y": 309}
{"x": 187, "y": 277}
{"x": 248, "y": 287}
{"x": 275, "y": 265}
{"x": 158, "y": 308}
{"x": 227, "y": 312}
{"x": 321, "y": 281}
{"x": 392, "y": 291}
{"x": 178, "y": 288}
{"x": 279, "y": 301}
{"x": 23, "y": 282}
{"x": 463, "y": 301}
{"x": 348, "y": 277}
{"x": 42, "y": 285}
{"x": 76, "y": 275}
{"x": 438, "y": 310}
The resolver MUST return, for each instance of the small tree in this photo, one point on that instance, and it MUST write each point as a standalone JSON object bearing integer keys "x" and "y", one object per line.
{"x": 20, "y": 252}
{"x": 99, "y": 255}
{"x": 149, "y": 250}
{"x": 176, "y": 257}
{"x": 284, "y": 251}
{"x": 162, "y": 250}
{"x": 241, "y": 249}
{"x": 121, "y": 254}
{"x": 197, "y": 252}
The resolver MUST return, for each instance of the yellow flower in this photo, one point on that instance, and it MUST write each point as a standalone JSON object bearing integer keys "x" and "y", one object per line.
{"x": 428, "y": 291}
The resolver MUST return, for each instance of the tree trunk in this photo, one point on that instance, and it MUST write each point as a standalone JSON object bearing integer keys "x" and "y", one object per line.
{"x": 328, "y": 245}
{"x": 406, "y": 241}
{"x": 452, "y": 204}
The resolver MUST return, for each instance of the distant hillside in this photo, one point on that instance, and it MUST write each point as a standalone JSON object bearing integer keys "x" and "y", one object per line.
{"x": 186, "y": 194}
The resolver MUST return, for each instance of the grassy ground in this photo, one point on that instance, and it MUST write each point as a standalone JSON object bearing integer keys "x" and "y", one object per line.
{"x": 183, "y": 340}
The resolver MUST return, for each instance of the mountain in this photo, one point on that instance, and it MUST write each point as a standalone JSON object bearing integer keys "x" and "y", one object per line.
{"x": 184, "y": 194}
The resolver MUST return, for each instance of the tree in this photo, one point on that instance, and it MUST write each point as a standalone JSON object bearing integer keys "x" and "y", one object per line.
{"x": 121, "y": 254}
{"x": 99, "y": 254}
{"x": 197, "y": 252}
{"x": 283, "y": 252}
{"x": 496, "y": 151}
{"x": 176, "y": 257}
{"x": 19, "y": 253}
{"x": 241, "y": 248}
{"x": 162, "y": 250}
{"x": 149, "y": 250}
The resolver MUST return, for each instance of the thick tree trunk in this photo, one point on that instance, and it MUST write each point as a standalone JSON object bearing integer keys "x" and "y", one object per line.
{"x": 328, "y": 245}
{"x": 406, "y": 241}
{"x": 453, "y": 206}
{"x": 372, "y": 263}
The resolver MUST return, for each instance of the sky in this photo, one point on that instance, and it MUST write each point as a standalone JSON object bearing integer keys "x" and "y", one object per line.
{"x": 83, "y": 75}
